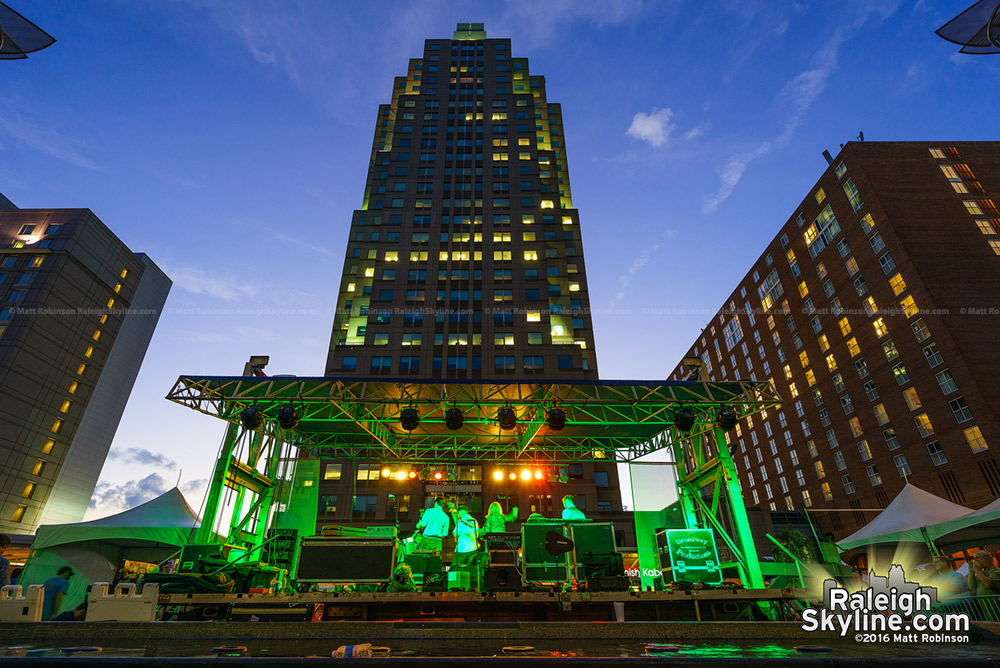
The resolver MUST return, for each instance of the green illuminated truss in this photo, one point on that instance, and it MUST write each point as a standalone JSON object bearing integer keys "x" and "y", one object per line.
{"x": 358, "y": 418}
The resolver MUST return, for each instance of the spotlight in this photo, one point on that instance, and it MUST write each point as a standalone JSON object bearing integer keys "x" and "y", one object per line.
{"x": 251, "y": 418}
{"x": 454, "y": 418}
{"x": 512, "y": 475}
{"x": 386, "y": 473}
{"x": 409, "y": 418}
{"x": 438, "y": 475}
{"x": 525, "y": 474}
{"x": 563, "y": 475}
{"x": 288, "y": 417}
{"x": 556, "y": 419}
{"x": 539, "y": 474}
{"x": 728, "y": 419}
{"x": 684, "y": 419}
{"x": 401, "y": 475}
{"x": 498, "y": 475}
{"x": 507, "y": 418}
{"x": 411, "y": 475}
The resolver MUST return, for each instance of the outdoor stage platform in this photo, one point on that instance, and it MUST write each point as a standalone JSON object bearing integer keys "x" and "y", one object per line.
{"x": 513, "y": 606}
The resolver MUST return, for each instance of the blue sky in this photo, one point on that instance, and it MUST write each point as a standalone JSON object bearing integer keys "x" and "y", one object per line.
{"x": 229, "y": 140}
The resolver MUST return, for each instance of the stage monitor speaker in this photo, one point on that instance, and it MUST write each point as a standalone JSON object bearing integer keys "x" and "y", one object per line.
{"x": 608, "y": 583}
{"x": 501, "y": 579}
{"x": 346, "y": 560}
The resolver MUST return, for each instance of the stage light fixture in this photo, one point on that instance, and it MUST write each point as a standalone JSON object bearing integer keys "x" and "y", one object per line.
{"x": 684, "y": 419}
{"x": 409, "y": 418}
{"x": 251, "y": 418}
{"x": 288, "y": 417}
{"x": 728, "y": 419}
{"x": 556, "y": 419}
{"x": 438, "y": 475}
{"x": 525, "y": 474}
{"x": 411, "y": 475}
{"x": 563, "y": 475}
{"x": 512, "y": 475}
{"x": 507, "y": 418}
{"x": 539, "y": 474}
{"x": 498, "y": 475}
{"x": 453, "y": 418}
{"x": 386, "y": 473}
{"x": 401, "y": 475}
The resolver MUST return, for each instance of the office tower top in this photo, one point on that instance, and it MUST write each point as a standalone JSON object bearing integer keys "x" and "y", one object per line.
{"x": 465, "y": 259}
{"x": 77, "y": 312}
{"x": 874, "y": 312}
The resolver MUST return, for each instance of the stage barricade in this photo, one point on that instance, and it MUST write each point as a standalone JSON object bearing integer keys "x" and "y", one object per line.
{"x": 17, "y": 608}
{"x": 124, "y": 605}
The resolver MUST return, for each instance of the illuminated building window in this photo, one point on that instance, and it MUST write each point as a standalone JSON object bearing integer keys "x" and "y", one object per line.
{"x": 871, "y": 308}
{"x": 332, "y": 471}
{"x": 880, "y": 328}
{"x": 39, "y": 467}
{"x": 824, "y": 344}
{"x": 18, "y": 513}
{"x": 803, "y": 290}
{"x": 864, "y": 451}
{"x": 501, "y": 255}
{"x": 827, "y": 494}
{"x": 820, "y": 473}
{"x": 820, "y": 196}
{"x": 792, "y": 391}
{"x": 533, "y": 315}
{"x": 806, "y": 499}
{"x": 855, "y": 425}
{"x": 47, "y": 447}
{"x": 788, "y": 372}
{"x": 392, "y": 256}
{"x": 852, "y": 266}
{"x": 65, "y": 406}
{"x": 995, "y": 245}
{"x": 845, "y": 326}
{"x": 898, "y": 284}
{"x": 936, "y": 153}
{"x": 350, "y": 287}
{"x": 924, "y": 424}
{"x": 124, "y": 273}
{"x": 852, "y": 346}
{"x": 547, "y": 204}
{"x": 831, "y": 363}
{"x": 56, "y": 426}
{"x": 975, "y": 439}
{"x": 29, "y": 490}
{"x": 985, "y": 227}
{"x": 972, "y": 207}
{"x": 527, "y": 220}
{"x": 803, "y": 359}
{"x": 118, "y": 287}
{"x": 104, "y": 319}
{"x": 89, "y": 352}
{"x": 530, "y": 255}
{"x": 909, "y": 307}
{"x": 80, "y": 369}
{"x": 880, "y": 414}
{"x": 912, "y": 399}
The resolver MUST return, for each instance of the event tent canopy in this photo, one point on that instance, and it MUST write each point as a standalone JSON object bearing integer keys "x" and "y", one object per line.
{"x": 903, "y": 519}
{"x": 978, "y": 528}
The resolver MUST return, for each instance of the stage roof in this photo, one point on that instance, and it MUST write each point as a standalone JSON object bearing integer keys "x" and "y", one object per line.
{"x": 353, "y": 417}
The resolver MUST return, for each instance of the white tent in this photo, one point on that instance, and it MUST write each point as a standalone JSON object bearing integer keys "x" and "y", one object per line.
{"x": 978, "y": 528}
{"x": 150, "y": 532}
{"x": 903, "y": 519}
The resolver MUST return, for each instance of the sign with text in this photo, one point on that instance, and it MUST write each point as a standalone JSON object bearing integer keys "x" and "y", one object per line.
{"x": 693, "y": 556}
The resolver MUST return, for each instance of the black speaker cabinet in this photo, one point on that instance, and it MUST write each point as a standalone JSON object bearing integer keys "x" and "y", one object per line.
{"x": 502, "y": 579}
{"x": 435, "y": 581}
{"x": 346, "y": 560}
{"x": 540, "y": 567}
{"x": 424, "y": 562}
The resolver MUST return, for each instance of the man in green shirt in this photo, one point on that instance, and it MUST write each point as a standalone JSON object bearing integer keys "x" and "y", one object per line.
{"x": 984, "y": 576}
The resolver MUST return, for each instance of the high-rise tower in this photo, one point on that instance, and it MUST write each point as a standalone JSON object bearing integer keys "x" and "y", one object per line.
{"x": 465, "y": 260}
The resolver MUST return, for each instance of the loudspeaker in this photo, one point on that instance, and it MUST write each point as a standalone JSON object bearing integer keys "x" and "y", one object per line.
{"x": 435, "y": 581}
{"x": 344, "y": 560}
{"x": 608, "y": 583}
{"x": 594, "y": 541}
{"x": 501, "y": 579}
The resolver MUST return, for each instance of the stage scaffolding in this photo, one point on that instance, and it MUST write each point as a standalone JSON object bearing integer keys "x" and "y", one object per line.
{"x": 359, "y": 418}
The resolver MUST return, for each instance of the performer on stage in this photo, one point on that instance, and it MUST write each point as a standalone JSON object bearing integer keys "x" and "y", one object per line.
{"x": 433, "y": 527}
{"x": 467, "y": 545}
{"x": 496, "y": 521}
{"x": 570, "y": 511}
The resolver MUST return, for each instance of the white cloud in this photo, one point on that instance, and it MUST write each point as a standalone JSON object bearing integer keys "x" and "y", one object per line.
{"x": 21, "y": 128}
{"x": 654, "y": 127}
{"x": 143, "y": 457}
{"x": 625, "y": 280}
{"x": 697, "y": 131}
{"x": 200, "y": 282}
{"x": 111, "y": 498}
{"x": 730, "y": 174}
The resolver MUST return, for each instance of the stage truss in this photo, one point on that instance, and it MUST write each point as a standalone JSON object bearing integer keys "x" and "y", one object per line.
{"x": 359, "y": 418}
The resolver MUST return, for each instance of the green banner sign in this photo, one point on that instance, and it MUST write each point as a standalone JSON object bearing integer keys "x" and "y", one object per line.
{"x": 693, "y": 556}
